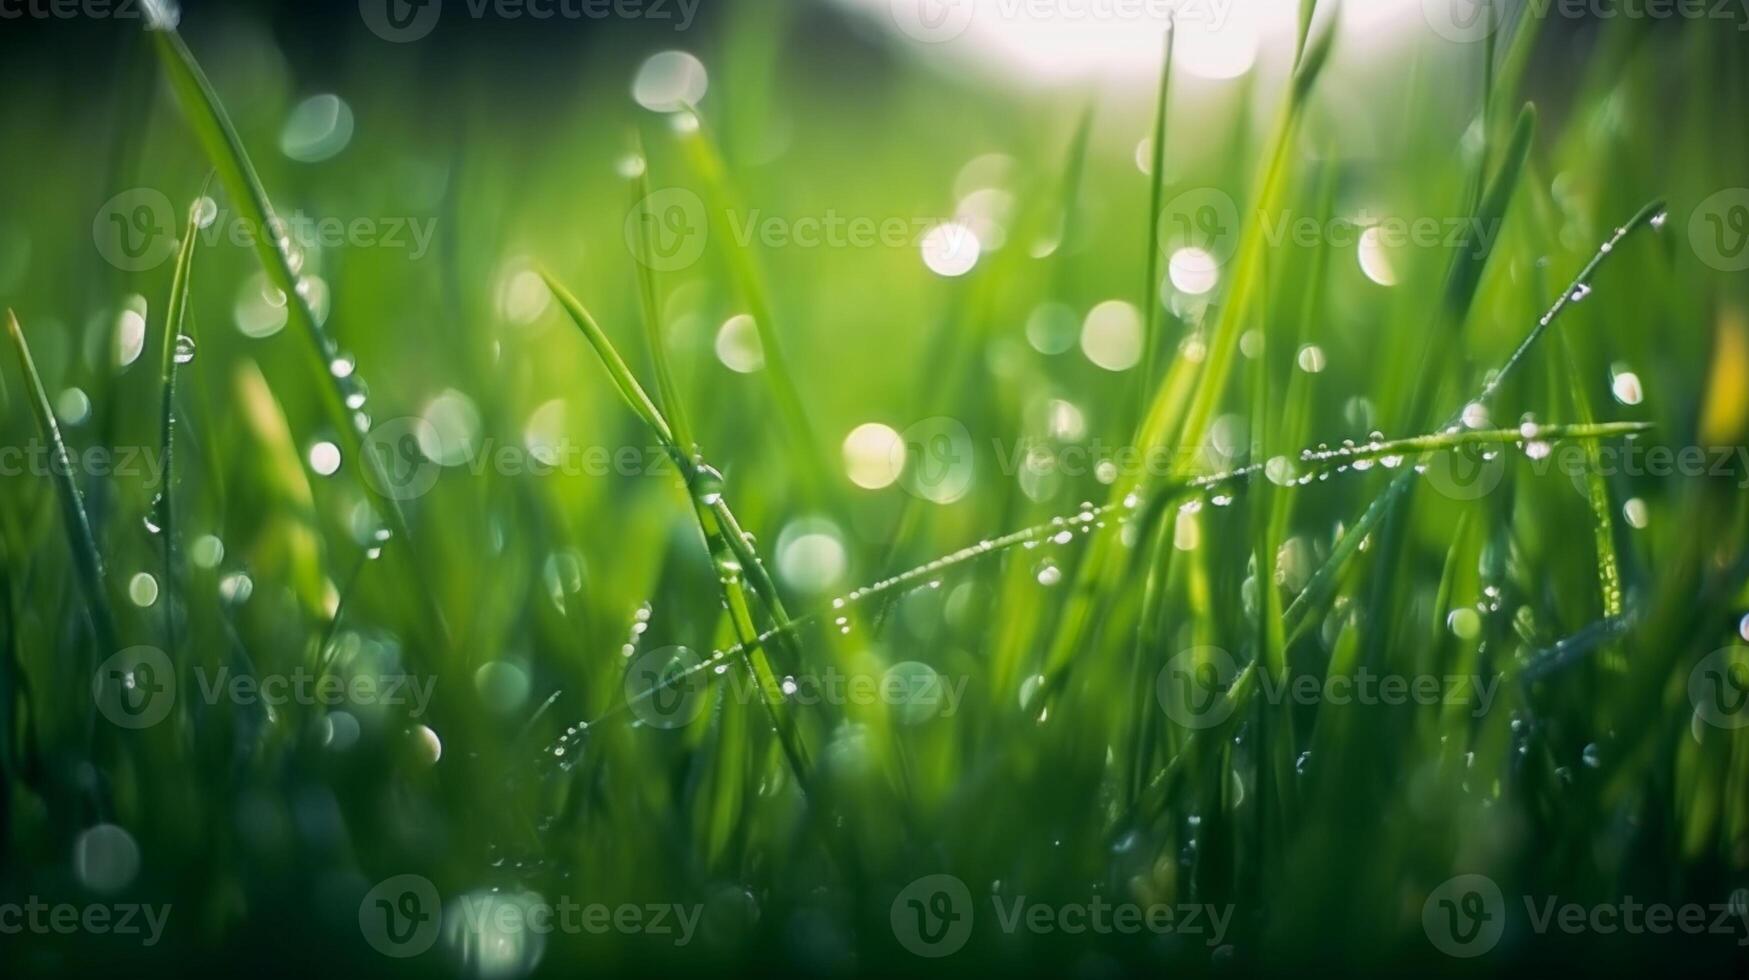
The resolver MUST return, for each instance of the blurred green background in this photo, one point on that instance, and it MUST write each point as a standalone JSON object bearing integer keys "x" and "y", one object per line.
{"x": 883, "y": 414}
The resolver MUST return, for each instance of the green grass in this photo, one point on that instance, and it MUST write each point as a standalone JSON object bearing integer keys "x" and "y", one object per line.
{"x": 623, "y": 659}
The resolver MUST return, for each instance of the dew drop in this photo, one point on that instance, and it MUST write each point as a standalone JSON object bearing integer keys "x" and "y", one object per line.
{"x": 707, "y": 485}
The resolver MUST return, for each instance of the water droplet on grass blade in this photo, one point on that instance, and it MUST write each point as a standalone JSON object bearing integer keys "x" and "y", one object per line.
{"x": 707, "y": 485}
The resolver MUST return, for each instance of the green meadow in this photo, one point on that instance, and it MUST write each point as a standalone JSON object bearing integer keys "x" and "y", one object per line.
{"x": 770, "y": 487}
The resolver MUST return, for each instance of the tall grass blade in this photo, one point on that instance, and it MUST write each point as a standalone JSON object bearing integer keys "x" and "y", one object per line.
{"x": 1150, "y": 298}
{"x": 81, "y": 541}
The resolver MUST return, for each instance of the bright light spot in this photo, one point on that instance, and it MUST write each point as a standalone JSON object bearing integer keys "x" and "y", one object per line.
{"x": 325, "y": 458}
{"x": 130, "y": 332}
{"x": 427, "y": 747}
{"x": 1065, "y": 420}
{"x": 105, "y": 858}
{"x": 522, "y": 294}
{"x": 1374, "y": 260}
{"x": 811, "y": 555}
{"x": 143, "y": 589}
{"x": 874, "y": 456}
{"x": 1635, "y": 512}
{"x": 544, "y": 433}
{"x": 1311, "y": 359}
{"x": 738, "y": 345}
{"x": 670, "y": 81}
{"x": 502, "y": 686}
{"x": 317, "y": 128}
{"x": 1625, "y": 385}
{"x": 72, "y": 406}
{"x": 207, "y": 551}
{"x": 951, "y": 249}
{"x": 987, "y": 212}
{"x": 1111, "y": 337}
{"x": 1193, "y": 270}
{"x": 1465, "y": 623}
{"x": 452, "y": 426}
{"x": 631, "y": 166}
{"x": 1186, "y": 532}
{"x": 1475, "y": 415}
{"x": 1051, "y": 328}
{"x": 260, "y": 308}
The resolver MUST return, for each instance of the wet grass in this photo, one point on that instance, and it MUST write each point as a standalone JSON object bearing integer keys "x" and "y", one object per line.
{"x": 1330, "y": 473}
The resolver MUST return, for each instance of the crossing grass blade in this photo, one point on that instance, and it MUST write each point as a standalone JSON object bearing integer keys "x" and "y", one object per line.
{"x": 1156, "y": 201}
{"x": 81, "y": 542}
{"x": 282, "y": 263}
{"x": 170, "y": 358}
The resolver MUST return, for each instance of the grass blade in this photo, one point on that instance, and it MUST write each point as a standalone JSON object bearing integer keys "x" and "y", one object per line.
{"x": 175, "y": 316}
{"x": 87, "y": 560}
{"x": 282, "y": 263}
{"x": 1156, "y": 200}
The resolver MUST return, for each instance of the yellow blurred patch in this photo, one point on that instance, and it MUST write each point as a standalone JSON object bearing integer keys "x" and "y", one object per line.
{"x": 1724, "y": 416}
